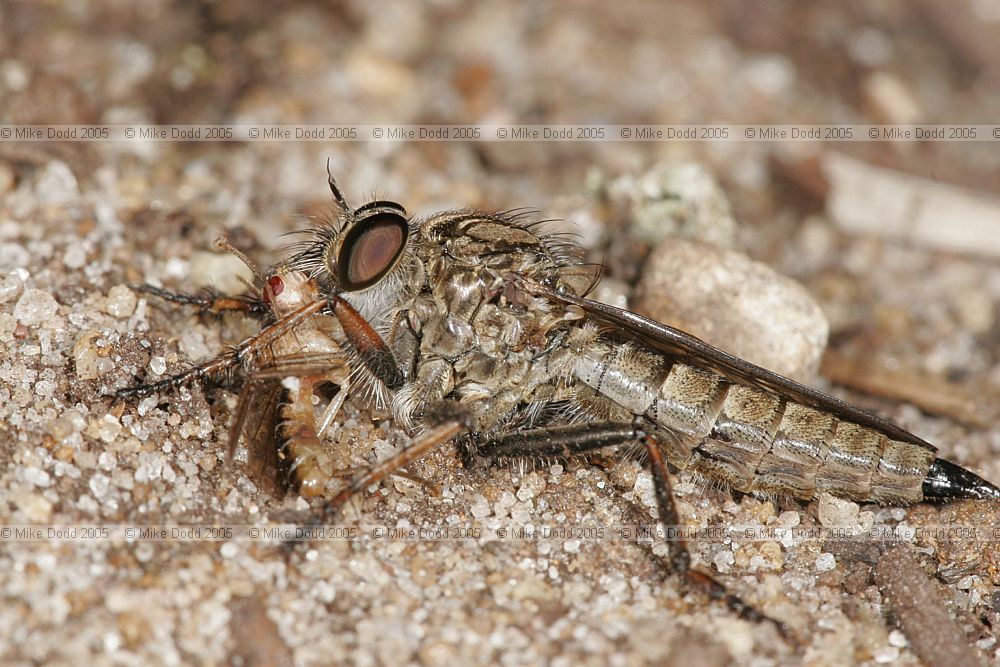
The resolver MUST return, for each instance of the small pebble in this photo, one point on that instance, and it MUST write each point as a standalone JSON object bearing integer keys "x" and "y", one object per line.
{"x": 35, "y": 507}
{"x": 677, "y": 200}
{"x": 13, "y": 256}
{"x": 107, "y": 460}
{"x": 35, "y": 307}
{"x": 99, "y": 485}
{"x": 36, "y": 476}
{"x": 220, "y": 271}
{"x": 10, "y": 287}
{"x": 75, "y": 256}
{"x": 825, "y": 562}
{"x": 121, "y": 302}
{"x": 108, "y": 428}
{"x": 56, "y": 184}
{"x": 837, "y": 512}
{"x": 789, "y": 519}
{"x": 886, "y": 654}
{"x": 158, "y": 365}
{"x": 86, "y": 355}
{"x": 480, "y": 507}
{"x": 724, "y": 560}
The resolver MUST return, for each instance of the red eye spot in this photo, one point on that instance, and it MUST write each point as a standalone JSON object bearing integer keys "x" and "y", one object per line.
{"x": 275, "y": 286}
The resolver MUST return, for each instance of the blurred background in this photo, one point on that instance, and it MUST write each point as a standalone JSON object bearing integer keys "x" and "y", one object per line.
{"x": 897, "y": 242}
{"x": 228, "y": 61}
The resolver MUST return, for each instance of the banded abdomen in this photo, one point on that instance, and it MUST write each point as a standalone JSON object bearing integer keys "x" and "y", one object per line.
{"x": 753, "y": 438}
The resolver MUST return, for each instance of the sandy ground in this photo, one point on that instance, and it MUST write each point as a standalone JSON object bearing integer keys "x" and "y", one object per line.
{"x": 79, "y": 222}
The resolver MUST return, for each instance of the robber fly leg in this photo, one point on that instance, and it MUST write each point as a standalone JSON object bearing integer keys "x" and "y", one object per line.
{"x": 544, "y": 443}
{"x": 210, "y": 303}
{"x": 434, "y": 437}
{"x": 570, "y": 440}
{"x": 680, "y": 557}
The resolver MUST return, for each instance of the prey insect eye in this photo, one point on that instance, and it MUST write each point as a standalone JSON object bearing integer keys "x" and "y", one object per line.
{"x": 371, "y": 247}
{"x": 276, "y": 284}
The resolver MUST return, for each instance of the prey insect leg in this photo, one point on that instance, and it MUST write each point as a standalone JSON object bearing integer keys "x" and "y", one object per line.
{"x": 333, "y": 408}
{"x": 680, "y": 557}
{"x": 212, "y": 368}
{"x": 243, "y": 355}
{"x": 215, "y": 304}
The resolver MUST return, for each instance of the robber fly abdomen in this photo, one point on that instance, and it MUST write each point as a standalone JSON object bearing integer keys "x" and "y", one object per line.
{"x": 752, "y": 429}
{"x": 753, "y": 439}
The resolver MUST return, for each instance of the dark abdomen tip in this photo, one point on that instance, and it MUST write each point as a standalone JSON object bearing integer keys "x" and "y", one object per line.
{"x": 946, "y": 481}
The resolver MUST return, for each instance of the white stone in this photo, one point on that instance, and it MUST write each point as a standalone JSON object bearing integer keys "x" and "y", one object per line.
{"x": 121, "y": 301}
{"x": 825, "y": 562}
{"x": 35, "y": 307}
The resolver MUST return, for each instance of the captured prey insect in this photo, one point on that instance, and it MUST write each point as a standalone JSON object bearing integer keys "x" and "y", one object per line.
{"x": 474, "y": 327}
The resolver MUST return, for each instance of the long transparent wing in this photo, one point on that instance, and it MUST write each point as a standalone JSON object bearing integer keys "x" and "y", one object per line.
{"x": 691, "y": 350}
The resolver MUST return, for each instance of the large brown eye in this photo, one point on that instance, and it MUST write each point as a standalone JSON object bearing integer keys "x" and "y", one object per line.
{"x": 370, "y": 249}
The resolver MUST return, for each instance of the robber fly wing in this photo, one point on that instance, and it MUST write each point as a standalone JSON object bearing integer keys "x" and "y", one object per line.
{"x": 689, "y": 349}
{"x": 256, "y": 419}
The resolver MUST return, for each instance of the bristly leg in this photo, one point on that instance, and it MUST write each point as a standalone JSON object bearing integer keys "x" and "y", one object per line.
{"x": 213, "y": 368}
{"x": 680, "y": 557}
{"x": 570, "y": 440}
{"x": 246, "y": 355}
{"x": 209, "y": 302}
{"x": 549, "y": 442}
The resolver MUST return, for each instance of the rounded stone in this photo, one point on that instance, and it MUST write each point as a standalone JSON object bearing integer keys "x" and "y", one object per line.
{"x": 121, "y": 301}
{"x": 734, "y": 303}
{"x": 35, "y": 307}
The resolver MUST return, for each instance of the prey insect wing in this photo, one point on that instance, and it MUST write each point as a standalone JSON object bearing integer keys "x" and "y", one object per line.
{"x": 257, "y": 414}
{"x": 300, "y": 365}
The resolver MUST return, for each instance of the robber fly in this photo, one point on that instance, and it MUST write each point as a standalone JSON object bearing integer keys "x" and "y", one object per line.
{"x": 474, "y": 327}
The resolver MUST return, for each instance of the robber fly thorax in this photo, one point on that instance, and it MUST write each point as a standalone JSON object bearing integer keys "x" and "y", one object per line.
{"x": 474, "y": 327}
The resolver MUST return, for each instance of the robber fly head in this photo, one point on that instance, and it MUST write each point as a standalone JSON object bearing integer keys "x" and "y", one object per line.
{"x": 358, "y": 249}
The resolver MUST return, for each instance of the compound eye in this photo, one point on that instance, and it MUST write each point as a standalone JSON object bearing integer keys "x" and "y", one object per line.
{"x": 370, "y": 249}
